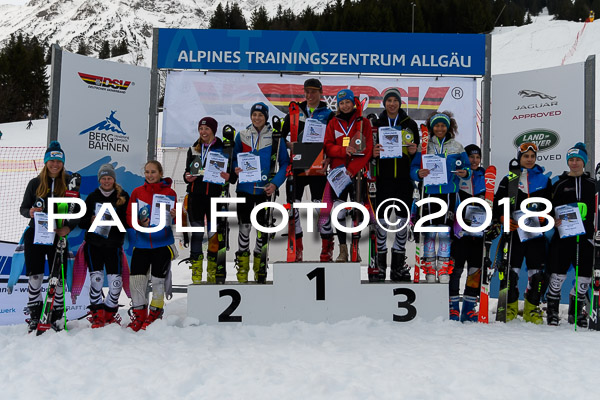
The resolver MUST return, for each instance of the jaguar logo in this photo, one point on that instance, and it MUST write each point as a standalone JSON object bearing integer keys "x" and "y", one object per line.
{"x": 534, "y": 93}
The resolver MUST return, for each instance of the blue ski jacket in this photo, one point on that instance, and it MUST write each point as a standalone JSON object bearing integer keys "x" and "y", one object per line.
{"x": 260, "y": 143}
{"x": 456, "y": 158}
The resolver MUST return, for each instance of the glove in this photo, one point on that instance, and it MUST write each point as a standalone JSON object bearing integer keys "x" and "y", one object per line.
{"x": 493, "y": 231}
{"x": 582, "y": 210}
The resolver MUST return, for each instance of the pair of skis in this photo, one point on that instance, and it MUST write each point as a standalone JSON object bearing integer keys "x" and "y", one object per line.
{"x": 222, "y": 223}
{"x": 294, "y": 112}
{"x": 487, "y": 267}
{"x": 514, "y": 174}
{"x": 359, "y": 196}
{"x": 419, "y": 238}
{"x": 57, "y": 270}
{"x": 594, "y": 319}
{"x": 263, "y": 236}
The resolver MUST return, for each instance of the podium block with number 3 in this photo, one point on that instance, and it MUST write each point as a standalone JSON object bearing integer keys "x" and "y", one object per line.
{"x": 316, "y": 292}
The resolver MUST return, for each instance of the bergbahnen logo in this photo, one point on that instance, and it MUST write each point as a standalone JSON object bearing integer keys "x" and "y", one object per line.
{"x": 107, "y": 135}
{"x": 545, "y": 139}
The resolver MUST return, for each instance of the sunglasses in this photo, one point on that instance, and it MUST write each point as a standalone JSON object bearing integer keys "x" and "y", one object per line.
{"x": 525, "y": 147}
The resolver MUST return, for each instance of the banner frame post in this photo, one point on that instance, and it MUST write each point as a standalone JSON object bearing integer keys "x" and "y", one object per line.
{"x": 486, "y": 101}
{"x": 154, "y": 93}
{"x": 589, "y": 111}
{"x": 54, "y": 106}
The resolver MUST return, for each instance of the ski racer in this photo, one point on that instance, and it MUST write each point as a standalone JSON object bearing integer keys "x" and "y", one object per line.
{"x": 51, "y": 182}
{"x": 311, "y": 108}
{"x": 468, "y": 247}
{"x": 340, "y": 132}
{"x": 199, "y": 197}
{"x": 152, "y": 251}
{"x": 103, "y": 248}
{"x": 456, "y": 162}
{"x": 394, "y": 182}
{"x": 257, "y": 140}
{"x": 532, "y": 183}
{"x": 576, "y": 188}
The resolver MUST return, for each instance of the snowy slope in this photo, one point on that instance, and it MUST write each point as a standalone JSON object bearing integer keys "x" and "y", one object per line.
{"x": 546, "y": 43}
{"x": 66, "y": 22}
{"x": 357, "y": 359}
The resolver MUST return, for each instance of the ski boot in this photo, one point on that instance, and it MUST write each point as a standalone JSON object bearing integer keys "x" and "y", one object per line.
{"x": 572, "y": 307}
{"x": 532, "y": 313}
{"x": 582, "y": 314}
{"x": 571, "y": 311}
{"x": 35, "y": 311}
{"x": 256, "y": 266}
{"x": 326, "y": 250}
{"x": 468, "y": 313}
{"x": 138, "y": 317}
{"x": 512, "y": 309}
{"x": 153, "y": 314}
{"x": 242, "y": 264}
{"x": 343, "y": 256}
{"x": 196, "y": 268}
{"x": 299, "y": 249}
{"x": 56, "y": 319}
{"x": 96, "y": 315}
{"x": 211, "y": 267}
{"x": 444, "y": 267}
{"x": 552, "y": 312}
{"x": 399, "y": 271}
{"x": 428, "y": 269}
{"x": 382, "y": 266}
{"x": 531, "y": 310}
{"x": 111, "y": 315}
{"x": 454, "y": 308}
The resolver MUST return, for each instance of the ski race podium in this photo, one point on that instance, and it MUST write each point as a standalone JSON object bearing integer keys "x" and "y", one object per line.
{"x": 316, "y": 292}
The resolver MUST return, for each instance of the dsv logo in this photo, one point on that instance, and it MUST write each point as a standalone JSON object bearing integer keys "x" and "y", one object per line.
{"x": 105, "y": 82}
{"x": 534, "y": 93}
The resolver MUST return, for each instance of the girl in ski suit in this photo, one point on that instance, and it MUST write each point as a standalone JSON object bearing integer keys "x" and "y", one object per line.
{"x": 574, "y": 188}
{"x": 443, "y": 129}
{"x": 257, "y": 139}
{"x": 532, "y": 183}
{"x": 342, "y": 151}
{"x": 468, "y": 247}
{"x": 51, "y": 182}
{"x": 200, "y": 194}
{"x": 151, "y": 251}
{"x": 394, "y": 182}
{"x": 105, "y": 249}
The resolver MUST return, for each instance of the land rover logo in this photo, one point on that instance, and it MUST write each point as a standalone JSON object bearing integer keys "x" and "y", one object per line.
{"x": 545, "y": 139}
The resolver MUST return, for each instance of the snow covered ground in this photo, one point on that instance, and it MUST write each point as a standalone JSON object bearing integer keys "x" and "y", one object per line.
{"x": 356, "y": 359}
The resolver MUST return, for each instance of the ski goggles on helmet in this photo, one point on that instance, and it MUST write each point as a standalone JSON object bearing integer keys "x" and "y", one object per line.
{"x": 525, "y": 147}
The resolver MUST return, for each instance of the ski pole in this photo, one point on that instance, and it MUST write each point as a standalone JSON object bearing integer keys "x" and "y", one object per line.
{"x": 576, "y": 280}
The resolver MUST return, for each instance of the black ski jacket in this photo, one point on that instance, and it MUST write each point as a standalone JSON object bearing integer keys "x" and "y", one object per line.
{"x": 533, "y": 183}
{"x": 570, "y": 189}
{"x": 393, "y": 174}
{"x": 115, "y": 238}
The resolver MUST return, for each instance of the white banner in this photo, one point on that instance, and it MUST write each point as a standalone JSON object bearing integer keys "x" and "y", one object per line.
{"x": 228, "y": 97}
{"x": 12, "y": 305}
{"x": 103, "y": 118}
{"x": 538, "y": 106}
